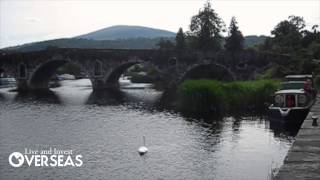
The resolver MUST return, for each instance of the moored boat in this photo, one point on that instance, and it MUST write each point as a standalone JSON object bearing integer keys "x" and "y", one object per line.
{"x": 293, "y": 102}
{"x": 7, "y": 82}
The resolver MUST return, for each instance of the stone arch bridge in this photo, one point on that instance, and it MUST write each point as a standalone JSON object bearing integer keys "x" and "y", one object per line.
{"x": 33, "y": 70}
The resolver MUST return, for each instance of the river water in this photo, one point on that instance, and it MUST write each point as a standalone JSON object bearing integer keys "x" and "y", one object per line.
{"x": 107, "y": 129}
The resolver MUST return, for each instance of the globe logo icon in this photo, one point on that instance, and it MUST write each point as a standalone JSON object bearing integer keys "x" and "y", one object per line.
{"x": 16, "y": 159}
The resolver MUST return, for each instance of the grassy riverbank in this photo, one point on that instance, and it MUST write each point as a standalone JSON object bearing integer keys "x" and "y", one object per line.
{"x": 210, "y": 96}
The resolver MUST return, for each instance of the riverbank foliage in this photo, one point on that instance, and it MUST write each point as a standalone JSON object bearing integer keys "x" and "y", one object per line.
{"x": 291, "y": 37}
{"x": 214, "y": 97}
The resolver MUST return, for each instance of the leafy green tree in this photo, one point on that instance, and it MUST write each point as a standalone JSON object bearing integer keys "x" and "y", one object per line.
{"x": 310, "y": 37}
{"x": 288, "y": 34}
{"x": 207, "y": 26}
{"x": 234, "y": 41}
{"x": 290, "y": 37}
{"x": 180, "y": 40}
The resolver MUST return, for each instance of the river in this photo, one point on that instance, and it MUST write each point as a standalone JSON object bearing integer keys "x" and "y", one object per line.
{"x": 107, "y": 129}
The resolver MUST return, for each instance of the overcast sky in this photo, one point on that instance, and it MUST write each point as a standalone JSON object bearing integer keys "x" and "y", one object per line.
{"x": 23, "y": 21}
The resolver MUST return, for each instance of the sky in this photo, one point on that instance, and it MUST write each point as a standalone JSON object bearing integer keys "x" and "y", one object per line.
{"x": 24, "y": 21}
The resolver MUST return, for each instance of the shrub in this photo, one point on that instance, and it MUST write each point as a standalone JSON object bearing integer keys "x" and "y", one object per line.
{"x": 203, "y": 96}
{"x": 210, "y": 96}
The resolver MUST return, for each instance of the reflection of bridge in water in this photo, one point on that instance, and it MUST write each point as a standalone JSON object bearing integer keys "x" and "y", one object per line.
{"x": 146, "y": 97}
{"x": 104, "y": 67}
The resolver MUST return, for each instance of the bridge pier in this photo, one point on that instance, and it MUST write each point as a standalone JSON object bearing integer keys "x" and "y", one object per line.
{"x": 97, "y": 83}
{"x": 112, "y": 85}
{"x": 22, "y": 84}
{"x": 100, "y": 84}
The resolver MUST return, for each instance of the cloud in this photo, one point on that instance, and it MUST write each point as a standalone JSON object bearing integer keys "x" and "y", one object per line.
{"x": 32, "y": 19}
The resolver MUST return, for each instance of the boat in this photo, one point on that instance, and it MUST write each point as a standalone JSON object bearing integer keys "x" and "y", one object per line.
{"x": 293, "y": 101}
{"x": 66, "y": 77}
{"x": 7, "y": 82}
{"x": 303, "y": 77}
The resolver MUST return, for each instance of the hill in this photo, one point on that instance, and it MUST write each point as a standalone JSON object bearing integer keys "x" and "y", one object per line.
{"x": 116, "y": 37}
{"x": 136, "y": 43}
{"x": 126, "y": 32}
{"x": 253, "y": 40}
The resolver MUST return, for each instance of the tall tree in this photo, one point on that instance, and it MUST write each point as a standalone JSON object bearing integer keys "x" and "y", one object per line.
{"x": 180, "y": 40}
{"x": 206, "y": 26}
{"x": 288, "y": 34}
{"x": 234, "y": 41}
{"x": 290, "y": 37}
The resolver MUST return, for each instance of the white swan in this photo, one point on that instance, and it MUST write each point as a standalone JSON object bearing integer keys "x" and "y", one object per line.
{"x": 143, "y": 149}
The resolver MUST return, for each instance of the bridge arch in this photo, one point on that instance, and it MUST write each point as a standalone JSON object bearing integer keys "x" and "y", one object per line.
{"x": 40, "y": 77}
{"x": 42, "y": 74}
{"x": 208, "y": 71}
{"x": 115, "y": 74}
{"x": 167, "y": 63}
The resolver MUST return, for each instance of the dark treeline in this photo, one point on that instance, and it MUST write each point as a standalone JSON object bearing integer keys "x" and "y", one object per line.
{"x": 289, "y": 37}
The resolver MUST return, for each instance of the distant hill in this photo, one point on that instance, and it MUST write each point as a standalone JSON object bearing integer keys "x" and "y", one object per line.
{"x": 254, "y": 40}
{"x": 134, "y": 43}
{"x": 116, "y": 37}
{"x": 126, "y": 32}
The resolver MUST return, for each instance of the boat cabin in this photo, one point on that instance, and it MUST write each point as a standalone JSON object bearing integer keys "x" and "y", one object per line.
{"x": 303, "y": 78}
{"x": 291, "y": 98}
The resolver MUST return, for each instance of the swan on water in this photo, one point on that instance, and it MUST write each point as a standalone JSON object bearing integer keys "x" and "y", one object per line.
{"x": 143, "y": 149}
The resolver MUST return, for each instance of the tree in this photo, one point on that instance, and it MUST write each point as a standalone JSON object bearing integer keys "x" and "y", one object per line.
{"x": 180, "y": 40}
{"x": 288, "y": 34}
{"x": 297, "y": 21}
{"x": 302, "y": 45}
{"x": 310, "y": 37}
{"x": 206, "y": 26}
{"x": 234, "y": 41}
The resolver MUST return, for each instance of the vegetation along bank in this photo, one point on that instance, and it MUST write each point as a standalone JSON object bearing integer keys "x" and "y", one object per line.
{"x": 211, "y": 96}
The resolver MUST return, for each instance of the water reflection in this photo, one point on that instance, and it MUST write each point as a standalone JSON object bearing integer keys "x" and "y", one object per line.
{"x": 106, "y": 97}
{"x": 281, "y": 129}
{"x": 236, "y": 125}
{"x": 40, "y": 96}
{"x": 1, "y": 97}
{"x": 127, "y": 96}
{"x": 109, "y": 134}
{"x": 206, "y": 118}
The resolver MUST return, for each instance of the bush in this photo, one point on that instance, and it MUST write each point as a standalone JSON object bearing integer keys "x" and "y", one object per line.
{"x": 210, "y": 96}
{"x": 203, "y": 96}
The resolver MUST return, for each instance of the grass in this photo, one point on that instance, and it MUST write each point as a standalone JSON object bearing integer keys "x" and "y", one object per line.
{"x": 210, "y": 96}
